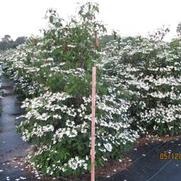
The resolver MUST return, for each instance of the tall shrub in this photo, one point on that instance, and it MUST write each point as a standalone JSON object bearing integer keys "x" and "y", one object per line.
{"x": 57, "y": 118}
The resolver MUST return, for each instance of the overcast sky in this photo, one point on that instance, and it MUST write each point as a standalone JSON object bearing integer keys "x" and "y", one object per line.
{"x": 129, "y": 17}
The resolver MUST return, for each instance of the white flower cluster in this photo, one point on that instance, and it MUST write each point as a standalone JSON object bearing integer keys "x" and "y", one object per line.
{"x": 76, "y": 162}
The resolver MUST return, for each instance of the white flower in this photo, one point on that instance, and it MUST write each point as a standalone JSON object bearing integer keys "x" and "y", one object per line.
{"x": 108, "y": 147}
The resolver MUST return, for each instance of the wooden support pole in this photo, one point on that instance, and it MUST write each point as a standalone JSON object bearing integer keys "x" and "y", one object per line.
{"x": 97, "y": 44}
{"x": 93, "y": 123}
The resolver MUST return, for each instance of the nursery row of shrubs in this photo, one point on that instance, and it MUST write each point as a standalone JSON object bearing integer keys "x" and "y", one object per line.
{"x": 138, "y": 90}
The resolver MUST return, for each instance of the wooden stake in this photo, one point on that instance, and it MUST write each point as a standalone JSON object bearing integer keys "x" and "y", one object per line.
{"x": 93, "y": 124}
{"x": 96, "y": 40}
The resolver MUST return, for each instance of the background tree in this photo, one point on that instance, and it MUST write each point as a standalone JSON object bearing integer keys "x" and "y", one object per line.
{"x": 7, "y": 42}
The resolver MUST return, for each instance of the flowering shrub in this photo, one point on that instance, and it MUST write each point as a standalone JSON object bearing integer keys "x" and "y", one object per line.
{"x": 53, "y": 76}
{"x": 150, "y": 70}
{"x": 62, "y": 131}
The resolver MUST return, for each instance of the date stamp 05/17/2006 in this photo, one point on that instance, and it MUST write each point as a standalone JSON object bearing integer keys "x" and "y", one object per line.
{"x": 168, "y": 156}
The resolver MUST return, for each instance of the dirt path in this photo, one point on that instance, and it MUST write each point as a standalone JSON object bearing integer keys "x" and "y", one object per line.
{"x": 12, "y": 148}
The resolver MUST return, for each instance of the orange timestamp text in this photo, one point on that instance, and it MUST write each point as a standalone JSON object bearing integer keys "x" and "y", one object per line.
{"x": 168, "y": 156}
